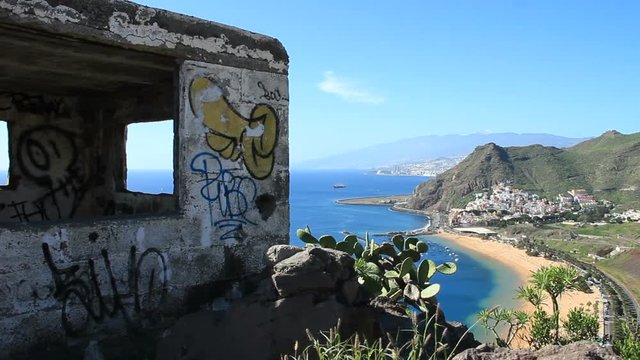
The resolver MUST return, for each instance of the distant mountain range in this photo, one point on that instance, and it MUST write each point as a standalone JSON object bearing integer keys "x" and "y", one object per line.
{"x": 608, "y": 166}
{"x": 429, "y": 147}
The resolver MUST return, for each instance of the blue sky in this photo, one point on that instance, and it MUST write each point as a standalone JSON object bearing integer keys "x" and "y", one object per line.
{"x": 368, "y": 72}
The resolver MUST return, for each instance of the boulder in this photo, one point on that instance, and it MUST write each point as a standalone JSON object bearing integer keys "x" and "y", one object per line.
{"x": 583, "y": 350}
{"x": 277, "y": 253}
{"x": 313, "y": 269}
{"x": 311, "y": 288}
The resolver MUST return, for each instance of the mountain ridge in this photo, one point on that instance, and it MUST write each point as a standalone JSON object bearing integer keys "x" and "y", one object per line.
{"x": 428, "y": 147}
{"x": 608, "y": 166}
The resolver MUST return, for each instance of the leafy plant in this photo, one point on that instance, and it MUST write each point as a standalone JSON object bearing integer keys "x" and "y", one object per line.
{"x": 580, "y": 324}
{"x": 542, "y": 328}
{"x": 629, "y": 346}
{"x": 533, "y": 295}
{"x": 423, "y": 344}
{"x": 394, "y": 269}
{"x": 504, "y": 324}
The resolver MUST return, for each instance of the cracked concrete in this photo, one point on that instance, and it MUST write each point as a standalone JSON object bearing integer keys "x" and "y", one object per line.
{"x": 81, "y": 257}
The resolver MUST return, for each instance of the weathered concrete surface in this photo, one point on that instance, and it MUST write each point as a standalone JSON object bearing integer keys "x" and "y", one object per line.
{"x": 80, "y": 256}
{"x": 126, "y": 24}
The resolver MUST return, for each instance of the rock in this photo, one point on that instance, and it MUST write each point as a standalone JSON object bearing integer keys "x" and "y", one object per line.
{"x": 457, "y": 334}
{"x": 484, "y": 347}
{"x": 314, "y": 269}
{"x": 265, "y": 291}
{"x": 259, "y": 331}
{"x": 385, "y": 304}
{"x": 293, "y": 284}
{"x": 277, "y": 253}
{"x": 583, "y": 350}
{"x": 336, "y": 263}
{"x": 350, "y": 290}
{"x": 309, "y": 288}
{"x": 92, "y": 351}
{"x": 579, "y": 350}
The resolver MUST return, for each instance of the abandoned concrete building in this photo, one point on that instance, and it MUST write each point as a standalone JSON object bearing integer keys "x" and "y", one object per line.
{"x": 82, "y": 256}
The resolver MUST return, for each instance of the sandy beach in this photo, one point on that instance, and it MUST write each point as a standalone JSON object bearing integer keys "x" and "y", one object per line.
{"x": 522, "y": 265}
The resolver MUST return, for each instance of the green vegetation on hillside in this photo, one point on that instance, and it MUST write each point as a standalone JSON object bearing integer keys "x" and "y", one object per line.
{"x": 625, "y": 231}
{"x": 607, "y": 166}
{"x": 625, "y": 268}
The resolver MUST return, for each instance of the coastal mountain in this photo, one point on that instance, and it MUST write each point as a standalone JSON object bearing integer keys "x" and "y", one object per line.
{"x": 430, "y": 147}
{"x": 608, "y": 166}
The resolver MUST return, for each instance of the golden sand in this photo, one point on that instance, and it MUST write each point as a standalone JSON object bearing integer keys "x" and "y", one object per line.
{"x": 522, "y": 265}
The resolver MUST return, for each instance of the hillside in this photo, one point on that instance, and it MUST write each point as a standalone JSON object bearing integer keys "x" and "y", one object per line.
{"x": 608, "y": 166}
{"x": 430, "y": 147}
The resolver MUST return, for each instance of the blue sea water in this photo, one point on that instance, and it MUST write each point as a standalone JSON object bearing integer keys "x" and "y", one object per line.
{"x": 476, "y": 284}
{"x": 147, "y": 181}
{"x": 150, "y": 181}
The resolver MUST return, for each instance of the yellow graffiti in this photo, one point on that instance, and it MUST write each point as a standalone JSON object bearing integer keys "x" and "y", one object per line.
{"x": 230, "y": 134}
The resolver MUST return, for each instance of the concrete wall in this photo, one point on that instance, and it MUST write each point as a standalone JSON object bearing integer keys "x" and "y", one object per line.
{"x": 81, "y": 257}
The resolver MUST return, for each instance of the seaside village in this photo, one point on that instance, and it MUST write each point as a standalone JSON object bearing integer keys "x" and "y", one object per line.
{"x": 503, "y": 204}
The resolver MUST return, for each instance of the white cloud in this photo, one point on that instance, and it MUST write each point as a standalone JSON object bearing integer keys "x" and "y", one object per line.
{"x": 347, "y": 90}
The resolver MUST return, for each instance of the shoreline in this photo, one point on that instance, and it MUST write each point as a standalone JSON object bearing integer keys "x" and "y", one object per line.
{"x": 395, "y": 203}
{"x": 384, "y": 200}
{"x": 522, "y": 265}
{"x": 514, "y": 259}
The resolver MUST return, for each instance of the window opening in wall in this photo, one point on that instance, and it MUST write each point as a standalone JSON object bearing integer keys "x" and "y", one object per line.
{"x": 4, "y": 153}
{"x": 149, "y": 157}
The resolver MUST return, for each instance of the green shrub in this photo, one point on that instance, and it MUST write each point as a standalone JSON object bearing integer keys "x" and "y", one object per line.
{"x": 580, "y": 324}
{"x": 422, "y": 344}
{"x": 629, "y": 346}
{"x": 542, "y": 329}
{"x": 504, "y": 324}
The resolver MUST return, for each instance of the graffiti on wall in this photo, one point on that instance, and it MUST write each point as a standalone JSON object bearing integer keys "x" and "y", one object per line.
{"x": 232, "y": 135}
{"x": 35, "y": 104}
{"x": 271, "y": 94}
{"x": 84, "y": 299}
{"x": 227, "y": 192}
{"x": 48, "y": 156}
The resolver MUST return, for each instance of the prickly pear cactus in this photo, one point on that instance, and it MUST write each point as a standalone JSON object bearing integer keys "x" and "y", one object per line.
{"x": 394, "y": 269}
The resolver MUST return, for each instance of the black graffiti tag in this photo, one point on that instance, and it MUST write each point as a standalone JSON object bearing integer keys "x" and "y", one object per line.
{"x": 268, "y": 94}
{"x": 82, "y": 297}
{"x": 49, "y": 156}
{"x": 35, "y": 104}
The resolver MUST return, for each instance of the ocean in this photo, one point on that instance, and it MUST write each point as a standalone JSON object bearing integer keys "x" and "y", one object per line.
{"x": 479, "y": 283}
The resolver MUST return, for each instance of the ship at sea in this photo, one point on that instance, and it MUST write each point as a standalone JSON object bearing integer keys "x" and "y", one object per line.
{"x": 339, "y": 186}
